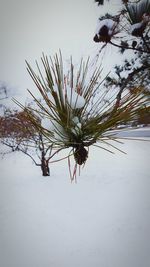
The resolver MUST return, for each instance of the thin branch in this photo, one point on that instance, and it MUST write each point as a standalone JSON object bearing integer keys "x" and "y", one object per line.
{"x": 3, "y": 97}
{"x": 128, "y": 79}
{"x": 17, "y": 148}
{"x": 51, "y": 156}
{"x": 144, "y": 41}
{"x": 26, "y": 153}
{"x": 129, "y": 47}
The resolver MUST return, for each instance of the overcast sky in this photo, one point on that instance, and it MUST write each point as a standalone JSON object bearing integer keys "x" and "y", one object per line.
{"x": 28, "y": 28}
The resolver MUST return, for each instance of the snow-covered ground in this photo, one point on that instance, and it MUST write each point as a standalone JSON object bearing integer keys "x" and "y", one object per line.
{"x": 103, "y": 220}
{"x": 134, "y": 132}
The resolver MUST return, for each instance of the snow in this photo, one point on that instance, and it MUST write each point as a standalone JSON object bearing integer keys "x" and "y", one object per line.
{"x": 133, "y": 133}
{"x": 55, "y": 128}
{"x": 107, "y": 22}
{"x": 77, "y": 127}
{"x": 136, "y": 26}
{"x": 146, "y": 18}
{"x": 102, "y": 221}
{"x": 75, "y": 120}
{"x": 75, "y": 100}
{"x": 55, "y": 88}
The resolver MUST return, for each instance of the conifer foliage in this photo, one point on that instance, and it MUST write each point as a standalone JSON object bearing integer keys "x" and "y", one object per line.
{"x": 128, "y": 30}
{"x": 79, "y": 113}
{"x": 99, "y": 2}
{"x": 130, "y": 26}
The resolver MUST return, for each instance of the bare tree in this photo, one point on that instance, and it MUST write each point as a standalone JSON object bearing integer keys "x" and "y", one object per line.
{"x": 3, "y": 91}
{"x": 3, "y": 95}
{"x": 17, "y": 133}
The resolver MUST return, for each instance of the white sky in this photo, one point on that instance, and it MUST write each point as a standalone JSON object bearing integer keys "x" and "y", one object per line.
{"x": 28, "y": 28}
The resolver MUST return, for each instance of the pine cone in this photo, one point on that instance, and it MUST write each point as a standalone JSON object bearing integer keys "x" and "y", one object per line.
{"x": 80, "y": 154}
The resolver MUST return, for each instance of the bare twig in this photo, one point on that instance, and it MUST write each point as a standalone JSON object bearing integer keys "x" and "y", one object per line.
{"x": 129, "y": 47}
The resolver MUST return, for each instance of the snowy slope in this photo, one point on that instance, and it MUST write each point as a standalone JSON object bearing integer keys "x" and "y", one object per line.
{"x": 134, "y": 133}
{"x": 102, "y": 221}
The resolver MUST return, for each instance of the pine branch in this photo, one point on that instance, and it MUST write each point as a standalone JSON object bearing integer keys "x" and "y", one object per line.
{"x": 127, "y": 80}
{"x": 145, "y": 43}
{"x": 129, "y": 47}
